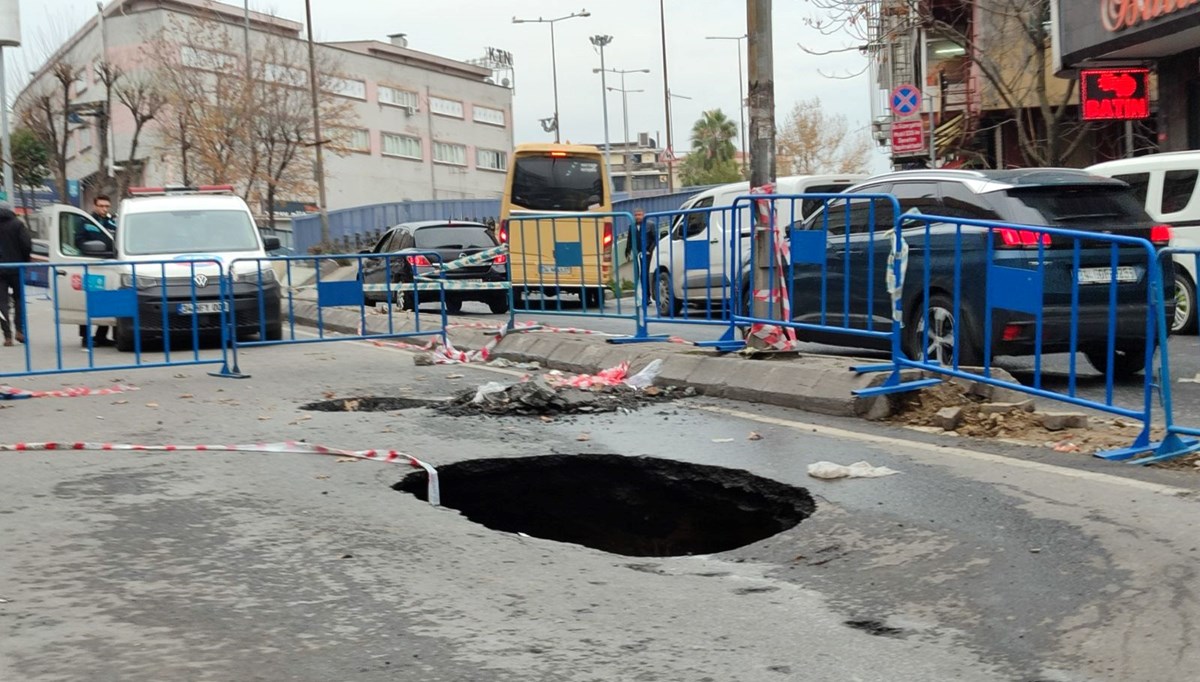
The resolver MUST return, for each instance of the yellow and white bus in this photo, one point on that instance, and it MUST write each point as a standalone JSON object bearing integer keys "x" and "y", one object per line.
{"x": 554, "y": 217}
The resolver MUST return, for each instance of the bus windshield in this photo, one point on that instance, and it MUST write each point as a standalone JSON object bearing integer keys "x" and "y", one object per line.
{"x": 565, "y": 183}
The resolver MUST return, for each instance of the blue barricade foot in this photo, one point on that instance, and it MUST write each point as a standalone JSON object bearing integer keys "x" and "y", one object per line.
{"x": 655, "y": 338}
{"x": 890, "y": 388}
{"x": 227, "y": 373}
{"x": 867, "y": 369}
{"x": 723, "y": 345}
{"x": 1171, "y": 447}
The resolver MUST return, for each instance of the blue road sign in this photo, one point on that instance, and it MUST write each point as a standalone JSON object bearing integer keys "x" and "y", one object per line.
{"x": 906, "y": 100}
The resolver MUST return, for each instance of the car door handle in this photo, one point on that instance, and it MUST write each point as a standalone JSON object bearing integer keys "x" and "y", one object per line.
{"x": 714, "y": 241}
{"x": 60, "y": 273}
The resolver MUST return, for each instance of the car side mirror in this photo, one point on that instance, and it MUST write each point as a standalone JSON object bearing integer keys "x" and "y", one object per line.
{"x": 272, "y": 243}
{"x": 97, "y": 249}
{"x": 365, "y": 252}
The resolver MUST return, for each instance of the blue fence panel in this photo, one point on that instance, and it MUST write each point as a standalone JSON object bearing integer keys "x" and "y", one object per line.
{"x": 351, "y": 226}
{"x": 166, "y": 312}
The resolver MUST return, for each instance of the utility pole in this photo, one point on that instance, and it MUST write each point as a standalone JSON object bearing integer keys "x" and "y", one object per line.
{"x": 762, "y": 134}
{"x": 319, "y": 170}
{"x": 741, "y": 99}
{"x": 600, "y": 41}
{"x": 662, "y": 24}
{"x": 10, "y": 36}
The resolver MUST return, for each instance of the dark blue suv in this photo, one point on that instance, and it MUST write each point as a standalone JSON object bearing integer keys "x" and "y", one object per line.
{"x": 1059, "y": 198}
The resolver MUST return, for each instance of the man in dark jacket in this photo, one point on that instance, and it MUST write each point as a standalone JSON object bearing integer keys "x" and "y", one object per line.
{"x": 16, "y": 245}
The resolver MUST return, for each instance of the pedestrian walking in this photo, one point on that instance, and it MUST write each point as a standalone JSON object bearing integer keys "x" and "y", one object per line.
{"x": 16, "y": 246}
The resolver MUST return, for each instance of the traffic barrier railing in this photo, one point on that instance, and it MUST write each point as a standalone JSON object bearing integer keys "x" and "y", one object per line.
{"x": 975, "y": 290}
{"x": 576, "y": 254}
{"x": 268, "y": 291}
{"x": 1179, "y": 439}
{"x": 180, "y": 302}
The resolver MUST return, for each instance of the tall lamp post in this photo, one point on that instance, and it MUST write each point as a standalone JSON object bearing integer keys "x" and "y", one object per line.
{"x": 625, "y": 121}
{"x": 625, "y": 114}
{"x": 319, "y": 167}
{"x": 10, "y": 36}
{"x": 600, "y": 41}
{"x": 553, "y": 56}
{"x": 741, "y": 99}
{"x": 662, "y": 25}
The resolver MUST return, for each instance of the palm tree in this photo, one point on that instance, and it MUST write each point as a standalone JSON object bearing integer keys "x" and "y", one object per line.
{"x": 713, "y": 135}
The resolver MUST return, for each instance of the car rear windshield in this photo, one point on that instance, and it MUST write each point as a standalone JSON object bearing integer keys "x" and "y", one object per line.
{"x": 175, "y": 232}
{"x": 567, "y": 183}
{"x": 1076, "y": 207}
{"x": 448, "y": 237}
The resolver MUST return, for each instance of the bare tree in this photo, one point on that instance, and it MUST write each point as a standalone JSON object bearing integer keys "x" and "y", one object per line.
{"x": 813, "y": 141}
{"x": 108, "y": 74}
{"x": 1007, "y": 42}
{"x": 47, "y": 113}
{"x": 145, "y": 102}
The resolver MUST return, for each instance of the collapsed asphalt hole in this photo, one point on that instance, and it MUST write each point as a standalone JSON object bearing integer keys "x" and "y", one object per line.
{"x": 633, "y": 506}
{"x": 875, "y": 627}
{"x": 368, "y": 404}
{"x": 537, "y": 398}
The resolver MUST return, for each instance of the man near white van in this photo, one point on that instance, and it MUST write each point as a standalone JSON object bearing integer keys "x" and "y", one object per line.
{"x": 16, "y": 246}
{"x": 102, "y": 214}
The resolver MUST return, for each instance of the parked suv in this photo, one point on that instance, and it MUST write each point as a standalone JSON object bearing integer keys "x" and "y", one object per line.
{"x": 1061, "y": 198}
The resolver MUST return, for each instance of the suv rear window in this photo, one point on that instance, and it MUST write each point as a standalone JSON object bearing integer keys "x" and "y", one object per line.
{"x": 454, "y": 237}
{"x": 810, "y": 206}
{"x": 568, "y": 183}
{"x": 1072, "y": 206}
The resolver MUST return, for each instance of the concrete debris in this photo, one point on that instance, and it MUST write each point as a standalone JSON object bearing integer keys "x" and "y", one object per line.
{"x": 509, "y": 364}
{"x": 829, "y": 471}
{"x": 1005, "y": 408}
{"x": 1058, "y": 421}
{"x": 948, "y": 418}
{"x": 538, "y": 398}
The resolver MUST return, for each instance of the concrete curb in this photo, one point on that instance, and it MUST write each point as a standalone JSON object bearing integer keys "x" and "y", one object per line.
{"x": 813, "y": 383}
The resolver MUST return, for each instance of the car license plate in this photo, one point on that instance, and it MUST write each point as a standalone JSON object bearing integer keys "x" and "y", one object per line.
{"x": 1105, "y": 275}
{"x": 203, "y": 308}
{"x": 552, "y": 270}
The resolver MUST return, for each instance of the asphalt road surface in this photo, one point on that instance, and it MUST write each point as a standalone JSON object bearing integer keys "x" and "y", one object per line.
{"x": 990, "y": 563}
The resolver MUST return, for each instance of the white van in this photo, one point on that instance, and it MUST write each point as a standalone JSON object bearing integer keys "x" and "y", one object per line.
{"x": 1167, "y": 184}
{"x": 180, "y": 234}
{"x": 673, "y": 276}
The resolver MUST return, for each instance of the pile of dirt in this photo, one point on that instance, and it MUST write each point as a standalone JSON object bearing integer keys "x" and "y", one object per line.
{"x": 921, "y": 408}
{"x": 536, "y": 398}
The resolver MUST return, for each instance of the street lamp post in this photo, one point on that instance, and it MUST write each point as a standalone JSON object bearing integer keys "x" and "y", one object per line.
{"x": 625, "y": 113}
{"x": 319, "y": 167}
{"x": 601, "y": 41}
{"x": 674, "y": 96}
{"x": 625, "y": 120}
{"x": 741, "y": 98}
{"x": 553, "y": 56}
{"x": 662, "y": 25}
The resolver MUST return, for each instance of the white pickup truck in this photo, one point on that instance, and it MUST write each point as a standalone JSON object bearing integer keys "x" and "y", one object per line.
{"x": 169, "y": 242}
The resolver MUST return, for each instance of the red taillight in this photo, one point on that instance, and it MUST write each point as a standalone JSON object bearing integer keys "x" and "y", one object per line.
{"x": 1160, "y": 235}
{"x": 608, "y": 234}
{"x": 500, "y": 260}
{"x": 502, "y": 233}
{"x": 418, "y": 261}
{"x": 1012, "y": 332}
{"x": 1011, "y": 238}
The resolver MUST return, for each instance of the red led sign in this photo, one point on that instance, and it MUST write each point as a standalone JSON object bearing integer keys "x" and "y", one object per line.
{"x": 1114, "y": 94}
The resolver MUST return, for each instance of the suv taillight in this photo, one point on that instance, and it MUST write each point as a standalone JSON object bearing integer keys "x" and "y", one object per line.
{"x": 1009, "y": 238}
{"x": 1160, "y": 235}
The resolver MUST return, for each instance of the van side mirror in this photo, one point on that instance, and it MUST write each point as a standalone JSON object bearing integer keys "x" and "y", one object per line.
{"x": 97, "y": 249}
{"x": 272, "y": 243}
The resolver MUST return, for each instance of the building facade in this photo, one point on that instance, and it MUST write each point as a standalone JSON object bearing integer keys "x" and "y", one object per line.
{"x": 410, "y": 126}
{"x": 1164, "y": 36}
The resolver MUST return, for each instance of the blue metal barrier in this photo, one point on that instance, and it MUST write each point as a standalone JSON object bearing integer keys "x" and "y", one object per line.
{"x": 576, "y": 254}
{"x": 979, "y": 289}
{"x": 395, "y": 280}
{"x": 144, "y": 301}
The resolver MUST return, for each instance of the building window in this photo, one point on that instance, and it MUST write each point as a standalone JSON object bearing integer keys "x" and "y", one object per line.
{"x": 401, "y": 145}
{"x": 490, "y": 116}
{"x": 397, "y": 97}
{"x": 445, "y": 152}
{"x": 199, "y": 58}
{"x": 285, "y": 75}
{"x": 446, "y": 107}
{"x": 346, "y": 88}
{"x": 491, "y": 159}
{"x": 352, "y": 139}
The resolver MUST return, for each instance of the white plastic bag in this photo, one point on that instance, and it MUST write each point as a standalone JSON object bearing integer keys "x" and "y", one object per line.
{"x": 645, "y": 378}
{"x": 490, "y": 388}
{"x": 829, "y": 471}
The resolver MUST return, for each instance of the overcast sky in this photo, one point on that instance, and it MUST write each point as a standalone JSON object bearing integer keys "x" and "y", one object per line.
{"x": 704, "y": 70}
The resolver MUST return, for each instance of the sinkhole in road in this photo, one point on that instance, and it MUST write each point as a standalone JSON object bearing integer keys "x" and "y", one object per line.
{"x": 368, "y": 404}
{"x": 632, "y": 506}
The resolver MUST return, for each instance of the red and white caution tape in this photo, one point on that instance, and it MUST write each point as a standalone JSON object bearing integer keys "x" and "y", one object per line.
{"x": 291, "y": 446}
{"x": 775, "y": 336}
{"x": 12, "y": 393}
{"x": 613, "y": 376}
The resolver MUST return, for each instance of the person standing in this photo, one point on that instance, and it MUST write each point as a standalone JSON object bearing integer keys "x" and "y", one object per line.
{"x": 16, "y": 246}
{"x": 102, "y": 214}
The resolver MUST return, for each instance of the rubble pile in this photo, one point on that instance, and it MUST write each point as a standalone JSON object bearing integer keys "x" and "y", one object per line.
{"x": 537, "y": 398}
